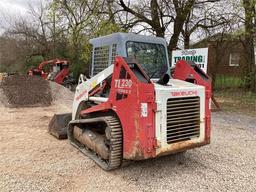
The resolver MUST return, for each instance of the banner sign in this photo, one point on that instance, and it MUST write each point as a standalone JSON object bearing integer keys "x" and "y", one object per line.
{"x": 199, "y": 56}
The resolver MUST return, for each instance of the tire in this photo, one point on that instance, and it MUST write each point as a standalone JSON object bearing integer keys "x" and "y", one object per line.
{"x": 69, "y": 86}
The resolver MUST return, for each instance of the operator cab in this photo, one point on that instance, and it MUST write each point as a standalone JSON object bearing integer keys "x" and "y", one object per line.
{"x": 150, "y": 52}
{"x": 59, "y": 65}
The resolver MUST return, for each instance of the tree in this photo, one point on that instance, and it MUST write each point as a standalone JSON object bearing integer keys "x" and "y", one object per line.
{"x": 33, "y": 31}
{"x": 163, "y": 16}
{"x": 250, "y": 31}
{"x": 31, "y": 37}
{"x": 205, "y": 17}
{"x": 73, "y": 17}
{"x": 82, "y": 20}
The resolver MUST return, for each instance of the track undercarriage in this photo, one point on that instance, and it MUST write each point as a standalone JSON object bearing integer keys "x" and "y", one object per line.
{"x": 99, "y": 138}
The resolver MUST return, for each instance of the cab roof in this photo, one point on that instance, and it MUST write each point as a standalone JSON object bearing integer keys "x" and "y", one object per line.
{"x": 116, "y": 38}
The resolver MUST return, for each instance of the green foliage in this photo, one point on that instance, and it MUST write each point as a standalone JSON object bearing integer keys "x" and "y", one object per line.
{"x": 81, "y": 59}
{"x": 226, "y": 81}
{"x": 250, "y": 80}
{"x": 33, "y": 62}
{"x": 3, "y": 69}
{"x": 86, "y": 57}
{"x": 74, "y": 56}
{"x": 76, "y": 68}
{"x": 106, "y": 28}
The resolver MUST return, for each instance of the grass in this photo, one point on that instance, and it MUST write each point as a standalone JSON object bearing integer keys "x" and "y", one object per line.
{"x": 237, "y": 100}
{"x": 225, "y": 81}
{"x": 231, "y": 97}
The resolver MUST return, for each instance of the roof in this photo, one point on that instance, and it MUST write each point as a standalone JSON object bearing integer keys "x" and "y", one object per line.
{"x": 238, "y": 35}
{"x": 123, "y": 37}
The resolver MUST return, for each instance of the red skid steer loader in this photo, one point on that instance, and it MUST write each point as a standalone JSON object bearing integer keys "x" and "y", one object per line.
{"x": 132, "y": 109}
{"x": 59, "y": 72}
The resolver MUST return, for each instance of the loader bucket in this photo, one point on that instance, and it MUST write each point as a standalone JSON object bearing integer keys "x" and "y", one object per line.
{"x": 59, "y": 124}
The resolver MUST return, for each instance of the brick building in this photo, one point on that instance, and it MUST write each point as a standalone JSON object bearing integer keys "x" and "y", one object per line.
{"x": 225, "y": 55}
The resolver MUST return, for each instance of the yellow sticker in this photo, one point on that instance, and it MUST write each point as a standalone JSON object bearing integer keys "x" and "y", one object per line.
{"x": 94, "y": 83}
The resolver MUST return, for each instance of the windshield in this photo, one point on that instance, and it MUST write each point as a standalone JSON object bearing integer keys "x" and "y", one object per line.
{"x": 152, "y": 57}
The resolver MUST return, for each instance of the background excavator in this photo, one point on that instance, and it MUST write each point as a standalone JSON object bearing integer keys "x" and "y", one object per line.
{"x": 56, "y": 70}
{"x": 132, "y": 108}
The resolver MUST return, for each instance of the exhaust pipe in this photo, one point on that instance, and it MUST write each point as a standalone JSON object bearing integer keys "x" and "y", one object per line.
{"x": 92, "y": 140}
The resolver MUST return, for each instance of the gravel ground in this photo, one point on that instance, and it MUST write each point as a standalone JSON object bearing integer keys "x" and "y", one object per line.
{"x": 33, "y": 160}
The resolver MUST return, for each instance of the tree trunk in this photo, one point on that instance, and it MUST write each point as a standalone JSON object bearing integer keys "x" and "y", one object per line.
{"x": 249, "y": 9}
{"x": 186, "y": 40}
{"x": 156, "y": 24}
{"x": 178, "y": 25}
{"x": 182, "y": 14}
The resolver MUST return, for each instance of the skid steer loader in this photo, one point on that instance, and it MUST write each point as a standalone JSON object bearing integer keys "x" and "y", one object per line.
{"x": 132, "y": 108}
{"x": 58, "y": 71}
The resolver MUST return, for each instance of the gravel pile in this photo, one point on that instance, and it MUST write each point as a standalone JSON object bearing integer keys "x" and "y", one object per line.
{"x": 32, "y": 91}
{"x": 25, "y": 91}
{"x": 61, "y": 95}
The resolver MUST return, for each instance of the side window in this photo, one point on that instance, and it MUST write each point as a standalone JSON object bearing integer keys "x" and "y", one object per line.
{"x": 101, "y": 59}
{"x": 114, "y": 53}
{"x": 234, "y": 59}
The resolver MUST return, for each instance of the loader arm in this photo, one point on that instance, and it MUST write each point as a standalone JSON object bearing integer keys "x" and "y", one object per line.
{"x": 41, "y": 65}
{"x": 116, "y": 119}
{"x": 84, "y": 87}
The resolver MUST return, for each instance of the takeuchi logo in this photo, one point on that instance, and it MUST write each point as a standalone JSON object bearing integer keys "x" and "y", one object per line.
{"x": 184, "y": 93}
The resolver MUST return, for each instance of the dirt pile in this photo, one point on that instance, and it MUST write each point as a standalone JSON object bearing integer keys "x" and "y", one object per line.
{"x": 62, "y": 98}
{"x": 25, "y": 91}
{"x": 61, "y": 94}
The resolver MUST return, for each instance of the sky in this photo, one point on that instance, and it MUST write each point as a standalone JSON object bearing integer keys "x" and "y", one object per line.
{"x": 14, "y": 8}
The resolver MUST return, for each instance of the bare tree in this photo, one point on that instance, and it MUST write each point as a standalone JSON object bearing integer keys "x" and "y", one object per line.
{"x": 161, "y": 15}
{"x": 206, "y": 16}
{"x": 35, "y": 31}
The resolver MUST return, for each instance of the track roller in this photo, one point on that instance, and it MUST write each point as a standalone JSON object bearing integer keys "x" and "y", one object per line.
{"x": 106, "y": 147}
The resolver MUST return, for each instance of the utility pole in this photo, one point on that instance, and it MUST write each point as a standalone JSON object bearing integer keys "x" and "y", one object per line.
{"x": 54, "y": 29}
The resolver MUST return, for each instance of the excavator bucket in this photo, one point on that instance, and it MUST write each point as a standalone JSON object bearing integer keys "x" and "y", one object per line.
{"x": 59, "y": 124}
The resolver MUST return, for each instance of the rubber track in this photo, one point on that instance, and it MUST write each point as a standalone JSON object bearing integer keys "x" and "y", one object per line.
{"x": 116, "y": 146}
